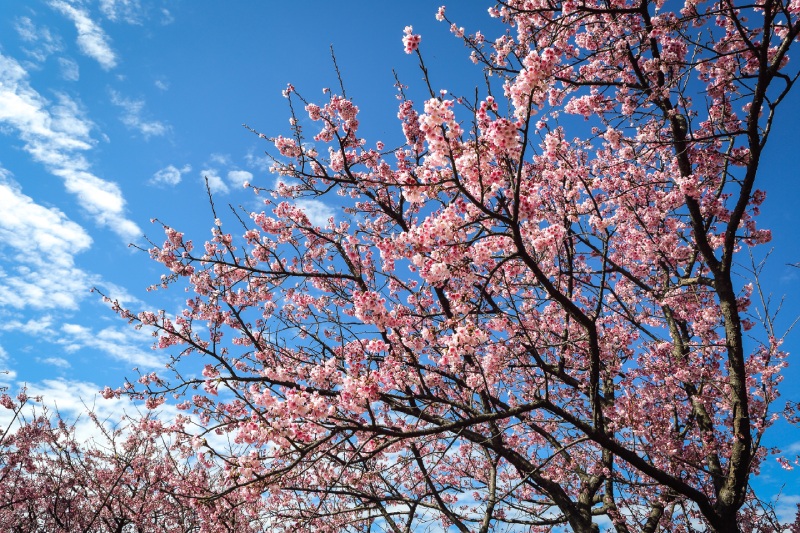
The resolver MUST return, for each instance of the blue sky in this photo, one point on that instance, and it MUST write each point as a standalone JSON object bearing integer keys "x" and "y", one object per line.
{"x": 113, "y": 111}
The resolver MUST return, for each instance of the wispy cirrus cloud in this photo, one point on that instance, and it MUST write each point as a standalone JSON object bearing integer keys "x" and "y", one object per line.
{"x": 69, "y": 69}
{"x": 74, "y": 399}
{"x": 6, "y": 374}
{"x": 71, "y": 399}
{"x": 122, "y": 343}
{"x": 41, "y": 244}
{"x": 167, "y": 17}
{"x": 129, "y": 11}
{"x": 41, "y": 285}
{"x": 132, "y": 116}
{"x": 786, "y": 507}
{"x": 26, "y": 29}
{"x": 56, "y": 135}
{"x": 92, "y": 40}
{"x": 39, "y": 41}
{"x": 58, "y": 362}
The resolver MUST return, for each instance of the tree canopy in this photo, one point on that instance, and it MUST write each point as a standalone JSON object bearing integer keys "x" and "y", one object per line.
{"x": 532, "y": 314}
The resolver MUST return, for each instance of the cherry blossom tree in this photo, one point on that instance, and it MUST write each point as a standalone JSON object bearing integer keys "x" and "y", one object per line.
{"x": 531, "y": 314}
{"x": 123, "y": 480}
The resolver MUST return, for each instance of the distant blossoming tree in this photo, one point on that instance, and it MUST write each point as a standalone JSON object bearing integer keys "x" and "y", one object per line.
{"x": 122, "y": 481}
{"x": 517, "y": 320}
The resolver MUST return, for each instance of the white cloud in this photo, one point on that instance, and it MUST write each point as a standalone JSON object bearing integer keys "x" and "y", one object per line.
{"x": 215, "y": 183}
{"x": 92, "y": 40}
{"x": 33, "y": 326}
{"x": 72, "y": 399}
{"x": 69, "y": 69}
{"x": 170, "y": 175}
{"x": 41, "y": 43}
{"x": 118, "y": 293}
{"x": 6, "y": 374}
{"x": 6, "y": 378}
{"x": 55, "y": 137}
{"x": 317, "y": 212}
{"x": 161, "y": 85}
{"x": 786, "y": 507}
{"x": 66, "y": 118}
{"x": 220, "y": 159}
{"x": 123, "y": 344}
{"x": 42, "y": 243}
{"x": 132, "y": 116}
{"x": 129, "y": 11}
{"x": 26, "y": 29}
{"x": 792, "y": 448}
{"x": 60, "y": 362}
{"x": 166, "y": 16}
{"x": 261, "y": 162}
{"x": 237, "y": 178}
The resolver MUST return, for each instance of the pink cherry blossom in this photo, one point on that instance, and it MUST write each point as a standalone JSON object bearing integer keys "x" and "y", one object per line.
{"x": 410, "y": 40}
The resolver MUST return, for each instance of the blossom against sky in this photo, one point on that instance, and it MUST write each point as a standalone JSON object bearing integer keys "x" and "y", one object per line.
{"x": 115, "y": 112}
